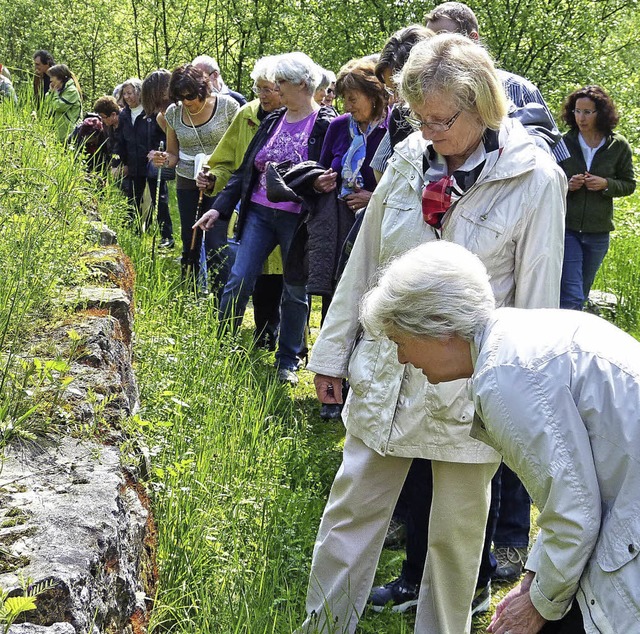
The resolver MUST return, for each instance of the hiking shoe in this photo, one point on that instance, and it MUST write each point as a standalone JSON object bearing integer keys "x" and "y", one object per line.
{"x": 399, "y": 595}
{"x": 481, "y": 600}
{"x": 330, "y": 411}
{"x": 166, "y": 243}
{"x": 286, "y": 375}
{"x": 396, "y": 535}
{"x": 510, "y": 563}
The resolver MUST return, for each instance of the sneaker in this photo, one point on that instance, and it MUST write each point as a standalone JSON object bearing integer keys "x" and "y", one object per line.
{"x": 399, "y": 595}
{"x": 481, "y": 600}
{"x": 396, "y": 535}
{"x": 286, "y": 375}
{"x": 166, "y": 243}
{"x": 510, "y": 563}
{"x": 330, "y": 411}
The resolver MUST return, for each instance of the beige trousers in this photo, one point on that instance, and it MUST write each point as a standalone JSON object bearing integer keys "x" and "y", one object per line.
{"x": 352, "y": 532}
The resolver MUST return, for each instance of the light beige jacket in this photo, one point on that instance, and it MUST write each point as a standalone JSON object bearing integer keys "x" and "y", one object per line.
{"x": 513, "y": 218}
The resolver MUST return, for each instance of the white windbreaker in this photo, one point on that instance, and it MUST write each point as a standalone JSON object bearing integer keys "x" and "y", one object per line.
{"x": 558, "y": 394}
{"x": 513, "y": 219}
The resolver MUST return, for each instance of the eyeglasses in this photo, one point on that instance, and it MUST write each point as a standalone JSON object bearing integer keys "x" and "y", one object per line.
{"x": 262, "y": 90}
{"x": 584, "y": 112}
{"x": 189, "y": 97}
{"x": 435, "y": 126}
{"x": 331, "y": 90}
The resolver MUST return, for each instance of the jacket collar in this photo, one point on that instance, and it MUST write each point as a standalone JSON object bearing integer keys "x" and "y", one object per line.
{"x": 518, "y": 156}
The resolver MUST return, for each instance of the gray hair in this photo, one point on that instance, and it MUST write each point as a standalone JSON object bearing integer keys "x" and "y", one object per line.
{"x": 327, "y": 77}
{"x": 457, "y": 12}
{"x": 453, "y": 65}
{"x": 208, "y": 62}
{"x": 264, "y": 68}
{"x": 438, "y": 290}
{"x": 135, "y": 83}
{"x": 297, "y": 68}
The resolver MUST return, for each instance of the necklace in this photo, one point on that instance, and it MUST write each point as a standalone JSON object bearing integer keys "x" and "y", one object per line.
{"x": 195, "y": 114}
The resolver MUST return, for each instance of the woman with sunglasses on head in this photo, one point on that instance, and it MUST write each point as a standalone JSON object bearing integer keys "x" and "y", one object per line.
{"x": 599, "y": 169}
{"x": 288, "y": 135}
{"x": 470, "y": 175}
{"x": 197, "y": 121}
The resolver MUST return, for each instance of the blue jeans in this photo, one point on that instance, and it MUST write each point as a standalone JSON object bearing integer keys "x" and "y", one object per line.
{"x": 583, "y": 255}
{"x": 215, "y": 239}
{"x": 263, "y": 230}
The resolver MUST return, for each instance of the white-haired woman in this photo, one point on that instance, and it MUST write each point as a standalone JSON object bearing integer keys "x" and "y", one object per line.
{"x": 137, "y": 135}
{"x": 292, "y": 134}
{"x": 557, "y": 393}
{"x": 474, "y": 177}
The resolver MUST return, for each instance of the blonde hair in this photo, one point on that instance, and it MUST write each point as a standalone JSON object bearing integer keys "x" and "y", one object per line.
{"x": 455, "y": 66}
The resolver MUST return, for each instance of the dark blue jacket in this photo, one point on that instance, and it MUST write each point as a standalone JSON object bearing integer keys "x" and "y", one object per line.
{"x": 134, "y": 141}
{"x": 244, "y": 179}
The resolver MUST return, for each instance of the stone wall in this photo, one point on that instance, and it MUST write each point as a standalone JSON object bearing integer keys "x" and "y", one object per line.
{"x": 73, "y": 514}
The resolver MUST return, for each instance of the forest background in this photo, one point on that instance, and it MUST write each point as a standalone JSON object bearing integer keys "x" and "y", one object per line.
{"x": 557, "y": 44}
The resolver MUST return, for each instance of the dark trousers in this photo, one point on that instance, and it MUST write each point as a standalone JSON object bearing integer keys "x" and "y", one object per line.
{"x": 135, "y": 192}
{"x": 215, "y": 240}
{"x": 266, "y": 297}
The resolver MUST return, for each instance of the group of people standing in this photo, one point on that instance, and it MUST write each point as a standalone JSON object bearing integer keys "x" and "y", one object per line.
{"x": 435, "y": 143}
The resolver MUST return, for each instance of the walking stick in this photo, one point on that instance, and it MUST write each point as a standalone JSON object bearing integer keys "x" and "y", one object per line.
{"x": 199, "y": 256}
{"x": 157, "y": 205}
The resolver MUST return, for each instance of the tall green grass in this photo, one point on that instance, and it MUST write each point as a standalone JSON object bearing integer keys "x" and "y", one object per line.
{"x": 44, "y": 200}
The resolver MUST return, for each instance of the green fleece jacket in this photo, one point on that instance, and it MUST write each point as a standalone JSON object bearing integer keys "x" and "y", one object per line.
{"x": 66, "y": 108}
{"x": 589, "y": 211}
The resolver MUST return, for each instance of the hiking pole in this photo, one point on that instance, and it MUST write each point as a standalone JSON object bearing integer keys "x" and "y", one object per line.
{"x": 201, "y": 279}
{"x": 157, "y": 206}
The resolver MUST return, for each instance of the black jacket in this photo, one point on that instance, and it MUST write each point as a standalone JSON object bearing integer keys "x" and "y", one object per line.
{"x": 244, "y": 179}
{"x": 134, "y": 141}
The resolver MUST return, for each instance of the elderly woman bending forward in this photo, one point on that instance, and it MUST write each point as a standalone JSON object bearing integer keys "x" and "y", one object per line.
{"x": 557, "y": 393}
{"x": 474, "y": 177}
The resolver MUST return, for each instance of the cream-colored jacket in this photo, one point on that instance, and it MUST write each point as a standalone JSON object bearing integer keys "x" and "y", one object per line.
{"x": 513, "y": 218}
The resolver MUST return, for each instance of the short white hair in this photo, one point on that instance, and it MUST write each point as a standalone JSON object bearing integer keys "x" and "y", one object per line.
{"x": 297, "y": 68}
{"x": 264, "y": 69}
{"x": 437, "y": 290}
{"x": 208, "y": 62}
{"x": 327, "y": 77}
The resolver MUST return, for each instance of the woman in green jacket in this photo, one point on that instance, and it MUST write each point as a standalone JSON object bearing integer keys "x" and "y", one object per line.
{"x": 599, "y": 169}
{"x": 64, "y": 100}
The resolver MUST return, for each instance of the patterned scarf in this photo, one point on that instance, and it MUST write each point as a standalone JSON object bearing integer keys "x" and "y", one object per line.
{"x": 354, "y": 157}
{"x": 442, "y": 190}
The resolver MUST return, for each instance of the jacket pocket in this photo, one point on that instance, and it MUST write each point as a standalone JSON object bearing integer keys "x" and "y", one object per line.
{"x": 618, "y": 544}
{"x": 362, "y": 365}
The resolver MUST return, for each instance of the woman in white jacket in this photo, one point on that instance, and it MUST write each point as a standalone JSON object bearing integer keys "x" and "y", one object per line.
{"x": 558, "y": 394}
{"x": 476, "y": 178}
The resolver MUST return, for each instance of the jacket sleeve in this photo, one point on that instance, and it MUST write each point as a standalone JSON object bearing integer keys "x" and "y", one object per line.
{"x": 540, "y": 246}
{"x": 625, "y": 183}
{"x": 332, "y": 350}
{"x": 223, "y": 162}
{"x": 535, "y": 424}
{"x": 121, "y": 144}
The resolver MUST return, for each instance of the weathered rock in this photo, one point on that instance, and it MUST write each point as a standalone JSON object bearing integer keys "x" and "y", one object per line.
{"x": 84, "y": 528}
{"x": 56, "y": 628}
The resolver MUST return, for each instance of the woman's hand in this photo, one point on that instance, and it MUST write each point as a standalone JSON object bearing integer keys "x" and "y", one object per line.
{"x": 576, "y": 182}
{"x": 516, "y": 614}
{"x": 326, "y": 182}
{"x": 205, "y": 181}
{"x": 328, "y": 388}
{"x": 595, "y": 183}
{"x": 208, "y": 220}
{"x": 358, "y": 200}
{"x": 159, "y": 159}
